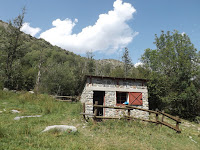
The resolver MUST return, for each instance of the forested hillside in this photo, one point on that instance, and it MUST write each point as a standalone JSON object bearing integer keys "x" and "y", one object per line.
{"x": 36, "y": 64}
{"x": 34, "y": 61}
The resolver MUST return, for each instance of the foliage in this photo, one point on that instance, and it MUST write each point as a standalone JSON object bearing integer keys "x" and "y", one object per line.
{"x": 173, "y": 68}
{"x": 62, "y": 79}
{"x": 117, "y": 72}
{"x": 12, "y": 51}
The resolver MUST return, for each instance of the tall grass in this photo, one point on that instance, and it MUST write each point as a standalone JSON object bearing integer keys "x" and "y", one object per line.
{"x": 111, "y": 134}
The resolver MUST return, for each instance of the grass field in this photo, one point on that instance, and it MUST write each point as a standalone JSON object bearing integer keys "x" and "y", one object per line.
{"x": 111, "y": 135}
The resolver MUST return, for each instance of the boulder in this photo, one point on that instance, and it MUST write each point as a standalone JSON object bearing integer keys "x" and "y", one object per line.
{"x": 61, "y": 128}
{"x": 5, "y": 89}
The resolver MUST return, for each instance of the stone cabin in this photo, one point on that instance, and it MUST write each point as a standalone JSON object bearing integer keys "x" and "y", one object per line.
{"x": 111, "y": 91}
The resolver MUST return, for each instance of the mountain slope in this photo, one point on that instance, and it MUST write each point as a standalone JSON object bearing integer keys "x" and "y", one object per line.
{"x": 39, "y": 64}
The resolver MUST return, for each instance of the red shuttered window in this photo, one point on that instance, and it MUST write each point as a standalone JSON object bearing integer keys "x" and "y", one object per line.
{"x": 135, "y": 98}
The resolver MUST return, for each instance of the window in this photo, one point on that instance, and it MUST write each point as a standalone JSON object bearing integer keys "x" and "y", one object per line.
{"x": 135, "y": 98}
{"x": 121, "y": 97}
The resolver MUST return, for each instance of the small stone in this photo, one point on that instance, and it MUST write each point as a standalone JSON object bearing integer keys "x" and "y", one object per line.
{"x": 192, "y": 139}
{"x": 18, "y": 118}
{"x": 5, "y": 89}
{"x": 15, "y": 111}
{"x": 61, "y": 128}
{"x": 32, "y": 92}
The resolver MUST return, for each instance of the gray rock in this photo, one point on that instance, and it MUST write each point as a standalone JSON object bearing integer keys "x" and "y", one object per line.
{"x": 31, "y": 92}
{"x": 5, "y": 89}
{"x": 61, "y": 128}
{"x": 18, "y": 118}
{"x": 15, "y": 111}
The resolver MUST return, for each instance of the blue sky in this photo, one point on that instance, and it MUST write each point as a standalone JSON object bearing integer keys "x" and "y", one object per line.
{"x": 128, "y": 23}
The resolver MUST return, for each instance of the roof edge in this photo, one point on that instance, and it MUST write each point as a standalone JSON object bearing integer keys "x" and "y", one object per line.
{"x": 115, "y": 78}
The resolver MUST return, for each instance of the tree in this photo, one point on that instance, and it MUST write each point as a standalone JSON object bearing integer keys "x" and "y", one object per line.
{"x": 58, "y": 79}
{"x": 117, "y": 72}
{"x": 12, "y": 51}
{"x": 138, "y": 72}
{"x": 106, "y": 69}
{"x": 127, "y": 62}
{"x": 42, "y": 59}
{"x": 172, "y": 69}
{"x": 90, "y": 63}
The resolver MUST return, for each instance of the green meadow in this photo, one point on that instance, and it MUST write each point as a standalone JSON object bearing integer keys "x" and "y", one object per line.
{"x": 26, "y": 133}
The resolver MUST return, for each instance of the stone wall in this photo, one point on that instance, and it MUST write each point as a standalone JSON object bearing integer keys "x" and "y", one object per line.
{"x": 111, "y": 86}
{"x": 87, "y": 98}
{"x": 110, "y": 100}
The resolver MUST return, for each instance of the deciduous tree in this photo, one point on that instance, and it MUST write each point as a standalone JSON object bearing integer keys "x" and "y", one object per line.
{"x": 173, "y": 68}
{"x": 13, "y": 51}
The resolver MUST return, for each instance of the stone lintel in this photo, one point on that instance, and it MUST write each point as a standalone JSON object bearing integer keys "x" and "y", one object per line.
{"x": 111, "y": 89}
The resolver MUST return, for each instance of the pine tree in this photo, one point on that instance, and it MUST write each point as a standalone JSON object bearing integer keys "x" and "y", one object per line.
{"x": 127, "y": 62}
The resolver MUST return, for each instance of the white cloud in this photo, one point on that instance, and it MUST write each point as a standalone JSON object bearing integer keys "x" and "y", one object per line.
{"x": 110, "y": 32}
{"x": 26, "y": 28}
{"x": 138, "y": 64}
